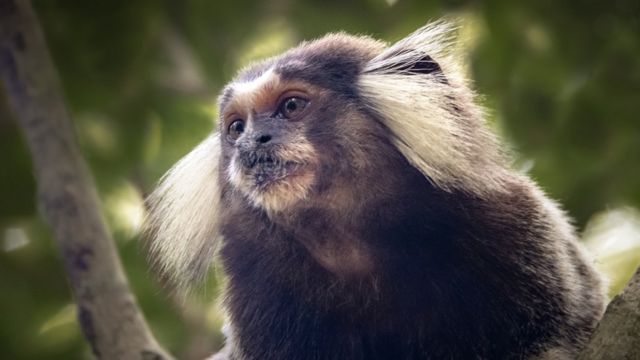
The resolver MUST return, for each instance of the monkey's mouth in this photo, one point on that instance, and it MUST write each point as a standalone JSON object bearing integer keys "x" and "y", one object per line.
{"x": 266, "y": 169}
{"x": 274, "y": 178}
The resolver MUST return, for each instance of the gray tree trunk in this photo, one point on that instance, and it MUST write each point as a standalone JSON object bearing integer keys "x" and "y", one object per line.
{"x": 618, "y": 334}
{"x": 107, "y": 311}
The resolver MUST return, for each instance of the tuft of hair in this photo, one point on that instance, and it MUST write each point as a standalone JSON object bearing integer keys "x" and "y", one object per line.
{"x": 182, "y": 220}
{"x": 418, "y": 90}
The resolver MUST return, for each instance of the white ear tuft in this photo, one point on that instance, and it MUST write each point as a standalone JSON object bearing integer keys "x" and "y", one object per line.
{"x": 182, "y": 224}
{"x": 435, "y": 40}
{"x": 420, "y": 94}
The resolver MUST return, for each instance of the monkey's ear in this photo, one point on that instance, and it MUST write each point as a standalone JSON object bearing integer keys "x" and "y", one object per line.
{"x": 405, "y": 62}
{"x": 182, "y": 223}
{"x": 417, "y": 90}
{"x": 414, "y": 55}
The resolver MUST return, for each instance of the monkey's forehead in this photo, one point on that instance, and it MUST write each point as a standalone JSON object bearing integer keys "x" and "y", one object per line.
{"x": 331, "y": 62}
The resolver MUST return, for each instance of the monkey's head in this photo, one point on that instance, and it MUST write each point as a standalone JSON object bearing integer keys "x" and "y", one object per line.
{"x": 293, "y": 128}
{"x": 323, "y": 124}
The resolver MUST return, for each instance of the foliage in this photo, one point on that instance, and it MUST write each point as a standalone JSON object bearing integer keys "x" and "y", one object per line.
{"x": 562, "y": 80}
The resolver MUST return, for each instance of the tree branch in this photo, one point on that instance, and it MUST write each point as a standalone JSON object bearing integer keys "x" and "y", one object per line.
{"x": 107, "y": 310}
{"x": 618, "y": 334}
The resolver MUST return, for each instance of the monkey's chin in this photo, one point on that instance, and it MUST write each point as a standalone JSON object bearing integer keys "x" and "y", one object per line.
{"x": 276, "y": 190}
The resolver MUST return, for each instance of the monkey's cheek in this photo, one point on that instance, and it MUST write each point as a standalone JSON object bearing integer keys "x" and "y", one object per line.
{"x": 236, "y": 176}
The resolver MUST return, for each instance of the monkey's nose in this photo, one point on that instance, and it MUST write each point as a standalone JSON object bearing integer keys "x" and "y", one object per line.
{"x": 263, "y": 138}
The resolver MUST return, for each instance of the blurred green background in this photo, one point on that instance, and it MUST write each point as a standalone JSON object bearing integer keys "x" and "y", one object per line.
{"x": 561, "y": 80}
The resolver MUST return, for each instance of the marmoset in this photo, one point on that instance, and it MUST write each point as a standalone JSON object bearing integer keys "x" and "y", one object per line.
{"x": 361, "y": 208}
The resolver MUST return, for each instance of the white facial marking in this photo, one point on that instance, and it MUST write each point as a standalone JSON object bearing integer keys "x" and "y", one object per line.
{"x": 249, "y": 87}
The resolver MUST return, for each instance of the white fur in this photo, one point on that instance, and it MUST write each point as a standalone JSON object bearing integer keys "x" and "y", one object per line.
{"x": 251, "y": 86}
{"x": 183, "y": 214}
{"x": 451, "y": 148}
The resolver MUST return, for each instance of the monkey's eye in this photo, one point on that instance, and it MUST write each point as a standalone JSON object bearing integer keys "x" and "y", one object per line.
{"x": 235, "y": 129}
{"x": 292, "y": 107}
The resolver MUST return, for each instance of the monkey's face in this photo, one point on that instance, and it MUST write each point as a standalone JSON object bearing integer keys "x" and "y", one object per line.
{"x": 263, "y": 124}
{"x": 295, "y": 128}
